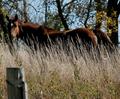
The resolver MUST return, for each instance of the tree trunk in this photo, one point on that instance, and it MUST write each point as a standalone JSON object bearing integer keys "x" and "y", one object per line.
{"x": 100, "y": 7}
{"x": 46, "y": 12}
{"x": 88, "y": 13}
{"x": 61, "y": 15}
{"x": 2, "y": 23}
{"x": 25, "y": 10}
{"x": 113, "y": 20}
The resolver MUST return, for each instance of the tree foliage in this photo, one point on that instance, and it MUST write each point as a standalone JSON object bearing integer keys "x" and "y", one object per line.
{"x": 65, "y": 14}
{"x": 72, "y": 13}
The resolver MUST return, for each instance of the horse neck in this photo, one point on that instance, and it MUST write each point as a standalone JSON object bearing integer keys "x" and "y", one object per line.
{"x": 30, "y": 25}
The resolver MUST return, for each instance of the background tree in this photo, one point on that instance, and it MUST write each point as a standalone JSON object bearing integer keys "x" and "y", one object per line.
{"x": 3, "y": 28}
{"x": 67, "y": 14}
{"x": 112, "y": 13}
{"x": 46, "y": 11}
{"x": 61, "y": 15}
{"x": 100, "y": 12}
{"x": 25, "y": 14}
{"x": 74, "y": 13}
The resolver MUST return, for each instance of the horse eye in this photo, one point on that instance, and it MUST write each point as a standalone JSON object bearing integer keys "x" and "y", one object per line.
{"x": 11, "y": 24}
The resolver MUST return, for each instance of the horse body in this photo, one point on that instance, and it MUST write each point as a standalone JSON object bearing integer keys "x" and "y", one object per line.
{"x": 26, "y": 30}
{"x": 85, "y": 35}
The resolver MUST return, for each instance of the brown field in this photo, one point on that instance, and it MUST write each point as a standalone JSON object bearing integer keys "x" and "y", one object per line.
{"x": 55, "y": 73}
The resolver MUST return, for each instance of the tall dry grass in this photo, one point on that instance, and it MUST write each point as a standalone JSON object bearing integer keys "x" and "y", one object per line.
{"x": 64, "y": 72}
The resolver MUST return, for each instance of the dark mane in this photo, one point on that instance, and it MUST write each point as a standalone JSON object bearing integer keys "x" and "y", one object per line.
{"x": 85, "y": 35}
{"x": 30, "y": 25}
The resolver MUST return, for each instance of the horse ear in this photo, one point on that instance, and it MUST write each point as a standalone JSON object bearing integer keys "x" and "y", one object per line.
{"x": 16, "y": 17}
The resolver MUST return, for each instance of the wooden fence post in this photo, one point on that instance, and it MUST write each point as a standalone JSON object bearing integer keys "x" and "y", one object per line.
{"x": 16, "y": 85}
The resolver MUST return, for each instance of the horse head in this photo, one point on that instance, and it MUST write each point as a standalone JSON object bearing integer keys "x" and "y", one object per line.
{"x": 13, "y": 26}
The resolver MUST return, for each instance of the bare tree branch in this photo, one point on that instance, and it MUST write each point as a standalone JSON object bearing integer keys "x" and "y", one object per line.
{"x": 67, "y": 4}
{"x": 25, "y": 10}
{"x": 88, "y": 13}
{"x": 61, "y": 15}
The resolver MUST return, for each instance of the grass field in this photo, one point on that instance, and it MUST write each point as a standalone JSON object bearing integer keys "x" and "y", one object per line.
{"x": 57, "y": 72}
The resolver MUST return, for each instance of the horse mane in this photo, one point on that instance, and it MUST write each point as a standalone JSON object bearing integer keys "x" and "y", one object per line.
{"x": 80, "y": 30}
{"x": 47, "y": 30}
{"x": 51, "y": 31}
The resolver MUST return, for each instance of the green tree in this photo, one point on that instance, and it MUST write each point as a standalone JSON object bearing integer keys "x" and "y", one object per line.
{"x": 100, "y": 12}
{"x": 3, "y": 27}
{"x": 112, "y": 13}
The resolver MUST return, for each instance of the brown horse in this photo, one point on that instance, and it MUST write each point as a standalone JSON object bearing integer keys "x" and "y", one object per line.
{"x": 23, "y": 30}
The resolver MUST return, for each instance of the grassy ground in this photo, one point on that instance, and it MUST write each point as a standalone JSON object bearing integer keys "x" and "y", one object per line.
{"x": 57, "y": 72}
